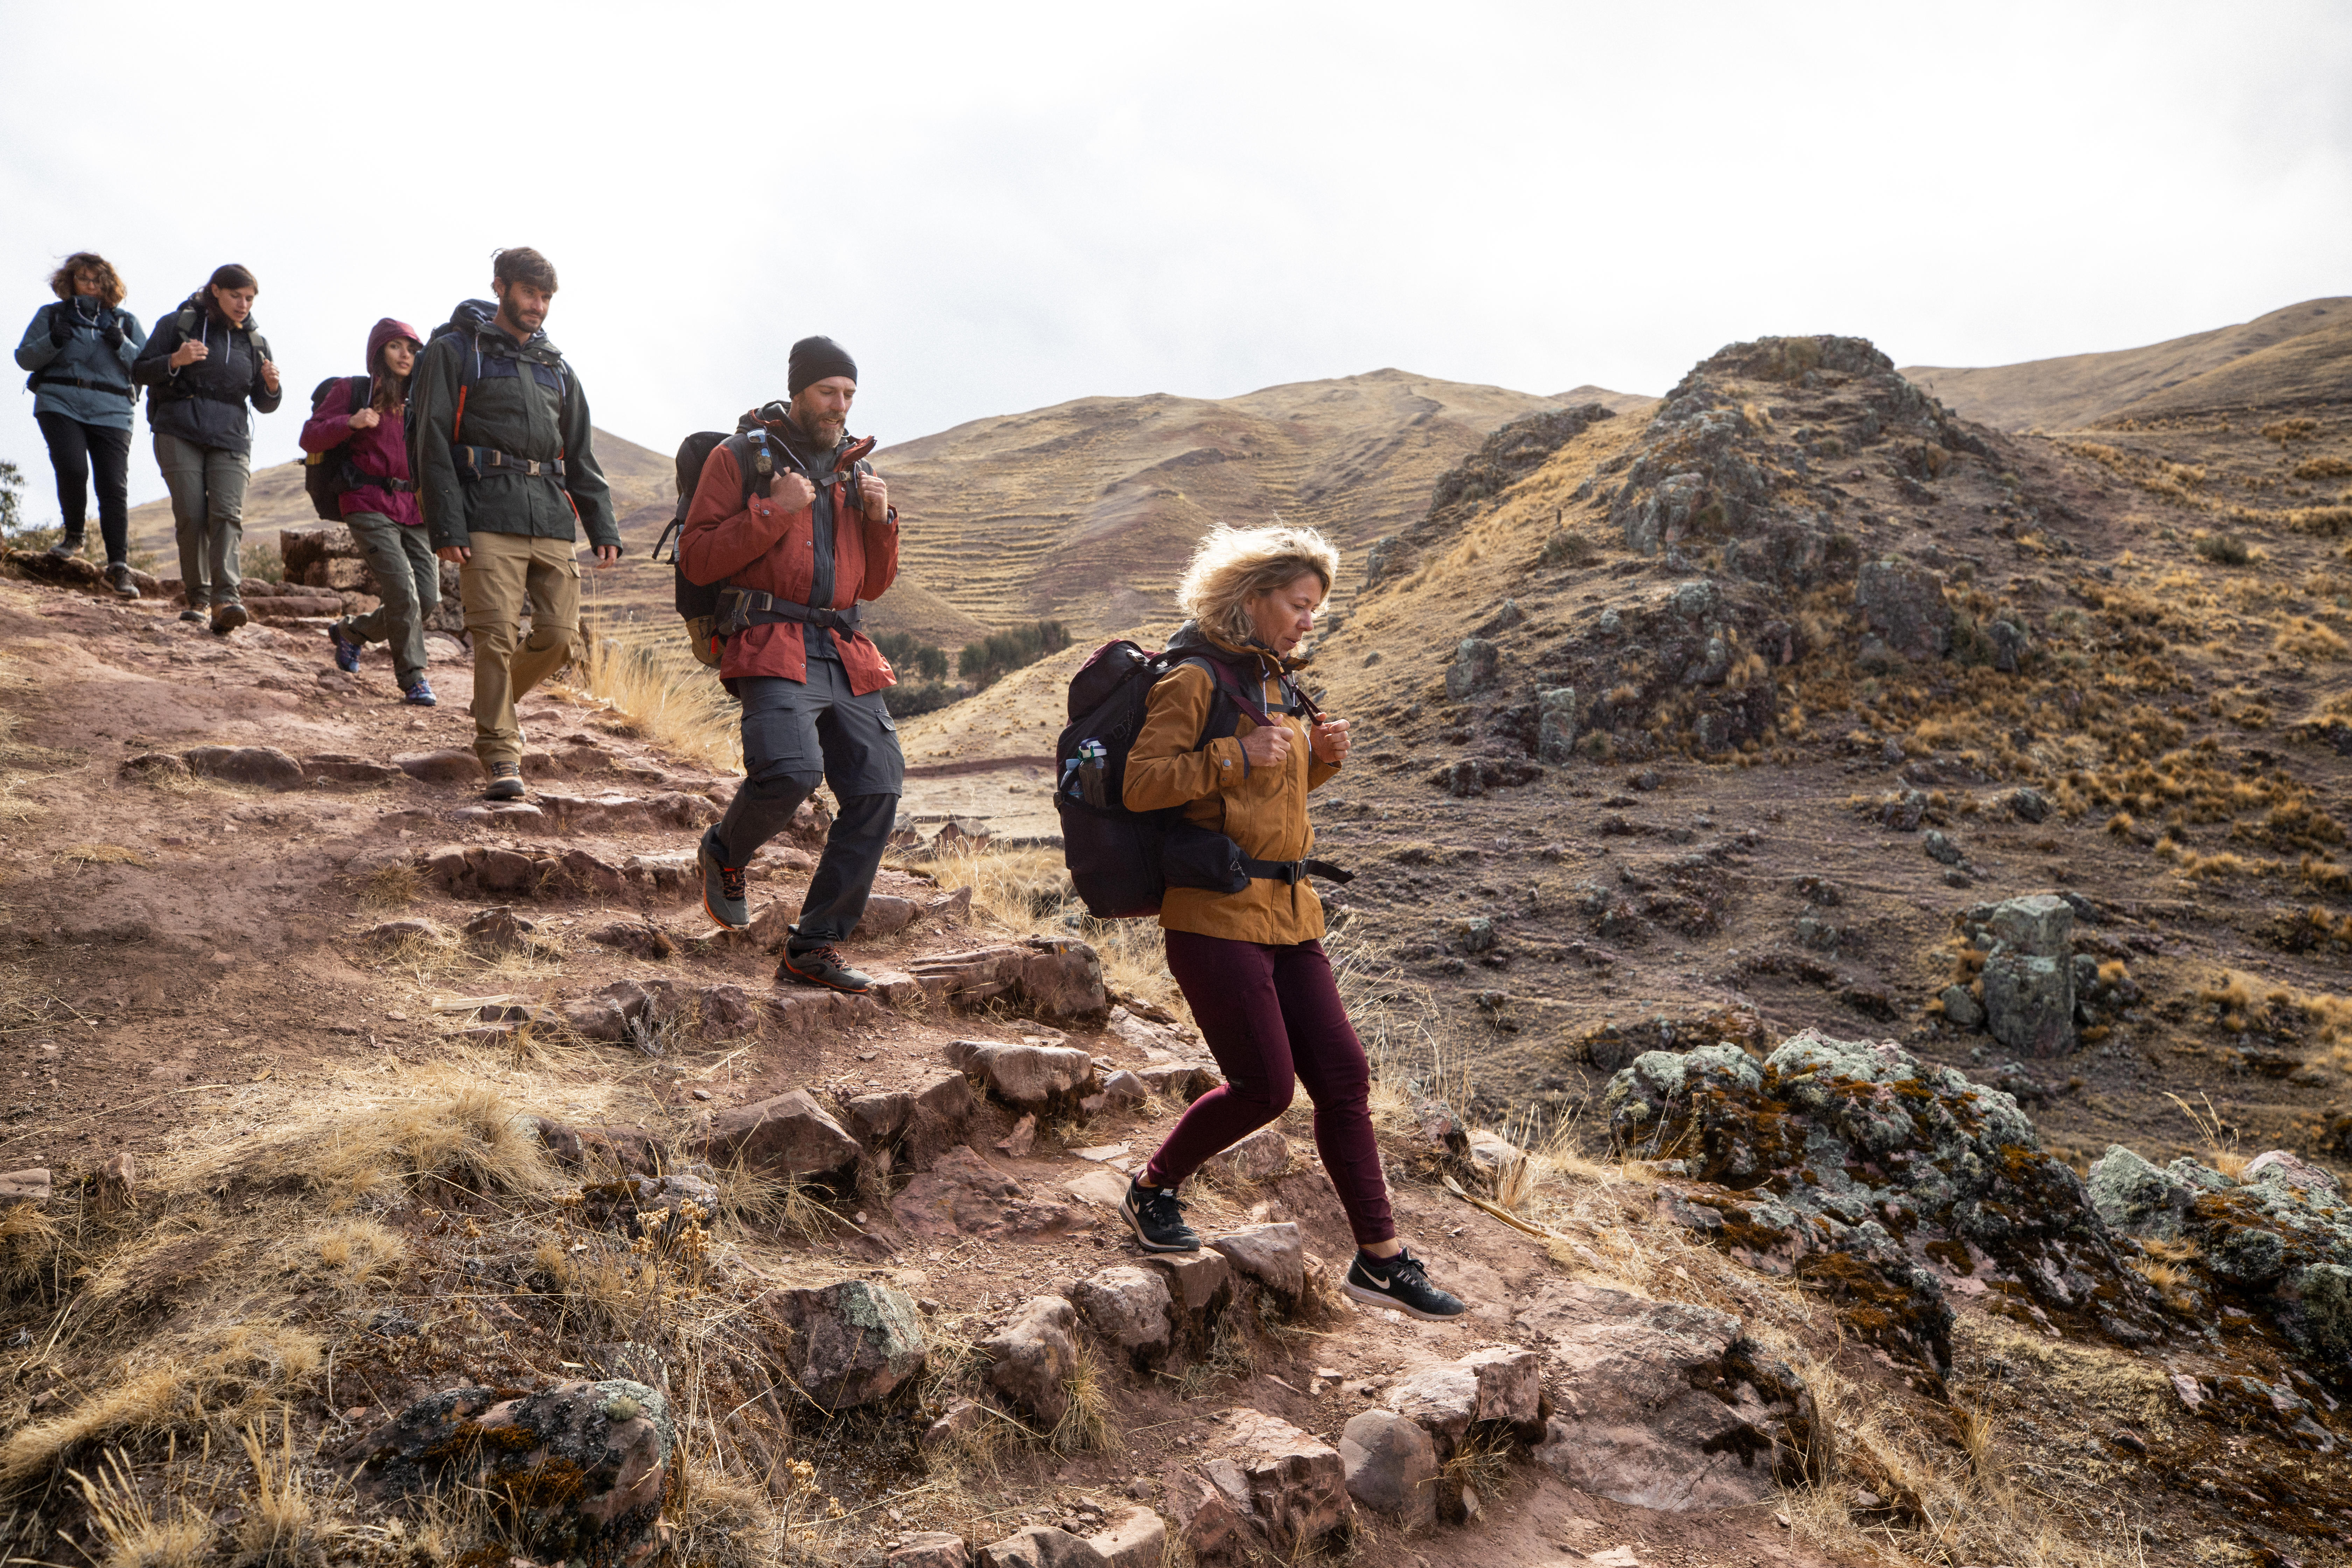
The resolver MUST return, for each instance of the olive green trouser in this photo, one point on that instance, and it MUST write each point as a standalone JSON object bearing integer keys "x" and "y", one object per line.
{"x": 507, "y": 572}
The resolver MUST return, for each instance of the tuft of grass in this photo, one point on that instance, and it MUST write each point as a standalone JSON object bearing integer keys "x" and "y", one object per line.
{"x": 656, "y": 689}
{"x": 393, "y": 887}
{"x": 103, "y": 854}
{"x": 135, "y": 1535}
{"x": 456, "y": 1135}
{"x": 2223, "y": 549}
{"x": 285, "y": 1524}
{"x": 1088, "y": 1424}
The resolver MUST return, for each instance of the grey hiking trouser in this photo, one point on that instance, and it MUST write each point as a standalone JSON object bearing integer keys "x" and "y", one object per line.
{"x": 207, "y": 486}
{"x": 796, "y": 735}
{"x": 408, "y": 577}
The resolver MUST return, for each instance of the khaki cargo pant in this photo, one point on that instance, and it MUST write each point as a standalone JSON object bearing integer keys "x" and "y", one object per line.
{"x": 507, "y": 572}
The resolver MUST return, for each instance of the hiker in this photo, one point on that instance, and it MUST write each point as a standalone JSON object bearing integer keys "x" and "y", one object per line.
{"x": 1251, "y": 963}
{"x": 799, "y": 548}
{"x": 506, "y": 473}
{"x": 206, "y": 361}
{"x": 378, "y": 501}
{"x": 80, "y": 351}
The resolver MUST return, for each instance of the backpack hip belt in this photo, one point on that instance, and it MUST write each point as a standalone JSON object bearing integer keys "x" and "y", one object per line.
{"x": 49, "y": 378}
{"x": 473, "y": 462}
{"x": 1293, "y": 872}
{"x": 740, "y": 608}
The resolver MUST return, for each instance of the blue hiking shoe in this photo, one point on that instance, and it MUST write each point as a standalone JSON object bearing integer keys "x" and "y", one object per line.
{"x": 420, "y": 695}
{"x": 347, "y": 652}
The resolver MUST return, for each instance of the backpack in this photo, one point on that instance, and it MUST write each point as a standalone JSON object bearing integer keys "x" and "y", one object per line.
{"x": 698, "y": 605}
{"x": 1122, "y": 862}
{"x": 327, "y": 475}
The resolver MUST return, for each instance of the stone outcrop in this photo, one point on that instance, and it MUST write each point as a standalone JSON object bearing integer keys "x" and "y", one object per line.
{"x": 1128, "y": 1308}
{"x": 1269, "y": 1487}
{"x": 1904, "y": 603}
{"x": 790, "y": 1135}
{"x": 1031, "y": 1358}
{"x": 850, "y": 1343}
{"x": 1029, "y": 1078}
{"x": 1271, "y": 1255}
{"x": 1858, "y": 1167}
{"x": 1050, "y": 978}
{"x": 584, "y": 1467}
{"x": 2279, "y": 1242}
{"x": 1501, "y": 1386}
{"x": 2029, "y": 974}
{"x": 963, "y": 1195}
{"x": 1392, "y": 1467}
{"x": 264, "y": 766}
{"x": 1666, "y": 1406}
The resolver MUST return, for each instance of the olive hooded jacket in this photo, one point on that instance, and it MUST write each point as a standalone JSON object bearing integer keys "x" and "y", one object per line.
{"x": 475, "y": 385}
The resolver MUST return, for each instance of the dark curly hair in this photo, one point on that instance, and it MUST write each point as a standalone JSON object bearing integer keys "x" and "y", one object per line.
{"x": 110, "y": 282}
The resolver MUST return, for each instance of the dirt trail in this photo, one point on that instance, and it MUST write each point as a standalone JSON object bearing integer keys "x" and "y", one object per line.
{"x": 188, "y": 974}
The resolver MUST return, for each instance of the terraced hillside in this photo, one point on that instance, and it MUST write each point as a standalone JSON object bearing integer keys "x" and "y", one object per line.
{"x": 1087, "y": 510}
{"x": 2299, "y": 354}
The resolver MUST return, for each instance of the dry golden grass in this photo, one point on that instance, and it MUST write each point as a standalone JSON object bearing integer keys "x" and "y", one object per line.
{"x": 1029, "y": 889}
{"x": 103, "y": 854}
{"x": 211, "y": 1387}
{"x": 390, "y": 887}
{"x": 135, "y": 1535}
{"x": 284, "y": 1523}
{"x": 1089, "y": 1425}
{"x": 452, "y": 1132}
{"x": 650, "y": 678}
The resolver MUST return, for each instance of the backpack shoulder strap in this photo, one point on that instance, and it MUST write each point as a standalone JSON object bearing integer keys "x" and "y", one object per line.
{"x": 362, "y": 388}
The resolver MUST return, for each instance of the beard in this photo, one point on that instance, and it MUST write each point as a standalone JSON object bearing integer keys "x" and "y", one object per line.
{"x": 816, "y": 425}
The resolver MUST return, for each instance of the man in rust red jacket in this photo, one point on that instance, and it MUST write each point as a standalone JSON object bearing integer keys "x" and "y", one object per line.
{"x": 790, "y": 516}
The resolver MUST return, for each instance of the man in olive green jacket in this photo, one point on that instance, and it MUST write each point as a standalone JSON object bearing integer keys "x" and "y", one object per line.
{"x": 506, "y": 473}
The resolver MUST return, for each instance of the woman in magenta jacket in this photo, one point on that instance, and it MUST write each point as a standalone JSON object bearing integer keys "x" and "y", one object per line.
{"x": 380, "y": 507}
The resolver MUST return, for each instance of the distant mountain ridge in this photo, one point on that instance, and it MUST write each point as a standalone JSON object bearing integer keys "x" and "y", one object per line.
{"x": 2302, "y": 353}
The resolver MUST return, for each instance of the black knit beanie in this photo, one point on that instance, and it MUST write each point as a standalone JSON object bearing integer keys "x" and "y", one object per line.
{"x": 813, "y": 359}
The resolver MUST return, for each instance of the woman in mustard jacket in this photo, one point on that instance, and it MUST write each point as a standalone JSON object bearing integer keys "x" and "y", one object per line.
{"x": 1251, "y": 963}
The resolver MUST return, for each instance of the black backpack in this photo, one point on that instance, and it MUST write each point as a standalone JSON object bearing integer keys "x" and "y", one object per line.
{"x": 327, "y": 475}
{"x": 698, "y": 605}
{"x": 1123, "y": 862}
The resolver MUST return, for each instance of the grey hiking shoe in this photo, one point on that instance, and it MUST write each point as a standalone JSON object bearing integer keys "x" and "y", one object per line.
{"x": 822, "y": 966}
{"x": 1157, "y": 1219}
{"x": 505, "y": 782}
{"x": 118, "y": 577}
{"x": 722, "y": 885}
{"x": 1401, "y": 1284}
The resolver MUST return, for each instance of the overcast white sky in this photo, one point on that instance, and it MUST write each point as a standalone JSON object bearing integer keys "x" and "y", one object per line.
{"x": 997, "y": 208}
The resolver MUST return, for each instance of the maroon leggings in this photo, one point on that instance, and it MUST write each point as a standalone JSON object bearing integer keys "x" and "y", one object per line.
{"x": 1273, "y": 1017}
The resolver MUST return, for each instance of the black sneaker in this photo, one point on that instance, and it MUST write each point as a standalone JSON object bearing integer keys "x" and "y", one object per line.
{"x": 822, "y": 966}
{"x": 67, "y": 547}
{"x": 505, "y": 782}
{"x": 227, "y": 617}
{"x": 194, "y": 611}
{"x": 1157, "y": 1219}
{"x": 1401, "y": 1284}
{"x": 118, "y": 577}
{"x": 722, "y": 885}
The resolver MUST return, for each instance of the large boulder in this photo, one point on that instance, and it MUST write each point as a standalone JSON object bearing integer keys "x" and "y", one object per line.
{"x": 1501, "y": 1386}
{"x": 1271, "y": 1255}
{"x": 1042, "y": 1546}
{"x": 1810, "y": 1161}
{"x": 1391, "y": 1466}
{"x": 1665, "y": 1405}
{"x": 1127, "y": 1306}
{"x": 1033, "y": 1357}
{"x": 586, "y": 1465}
{"x": 1296, "y": 1485}
{"x": 2029, "y": 975}
{"x": 790, "y": 1135}
{"x": 1904, "y": 604}
{"x": 852, "y": 1342}
{"x": 1031, "y": 1077}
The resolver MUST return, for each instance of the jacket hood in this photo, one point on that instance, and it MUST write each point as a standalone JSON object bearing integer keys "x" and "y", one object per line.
{"x": 473, "y": 316}
{"x": 384, "y": 332}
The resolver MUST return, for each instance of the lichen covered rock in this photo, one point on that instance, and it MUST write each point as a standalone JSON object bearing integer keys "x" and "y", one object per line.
{"x": 1873, "y": 1177}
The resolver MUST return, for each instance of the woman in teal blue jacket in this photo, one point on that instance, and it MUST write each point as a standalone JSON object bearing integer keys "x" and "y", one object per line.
{"x": 80, "y": 351}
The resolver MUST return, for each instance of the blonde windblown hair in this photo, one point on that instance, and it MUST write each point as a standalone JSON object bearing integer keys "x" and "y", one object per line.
{"x": 1235, "y": 564}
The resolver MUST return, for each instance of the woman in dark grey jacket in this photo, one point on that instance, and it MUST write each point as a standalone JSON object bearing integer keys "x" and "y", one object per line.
{"x": 204, "y": 364}
{"x": 80, "y": 351}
